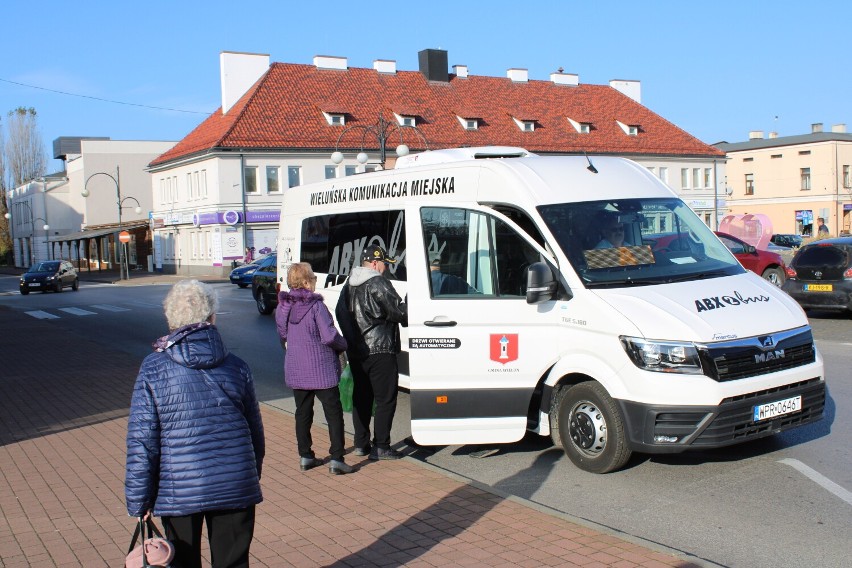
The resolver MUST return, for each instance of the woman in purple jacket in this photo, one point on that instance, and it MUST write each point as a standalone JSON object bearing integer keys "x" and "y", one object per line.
{"x": 312, "y": 364}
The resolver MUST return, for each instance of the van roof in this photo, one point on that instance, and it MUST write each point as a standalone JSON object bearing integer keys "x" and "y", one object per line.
{"x": 459, "y": 154}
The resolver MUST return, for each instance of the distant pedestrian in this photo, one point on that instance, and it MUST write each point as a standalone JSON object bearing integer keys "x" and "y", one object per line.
{"x": 370, "y": 312}
{"x": 249, "y": 256}
{"x": 195, "y": 442}
{"x": 312, "y": 364}
{"x": 822, "y": 229}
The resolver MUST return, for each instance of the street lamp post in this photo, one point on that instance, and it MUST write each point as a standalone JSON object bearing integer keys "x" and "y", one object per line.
{"x": 46, "y": 228}
{"x": 122, "y": 269}
{"x": 382, "y": 130}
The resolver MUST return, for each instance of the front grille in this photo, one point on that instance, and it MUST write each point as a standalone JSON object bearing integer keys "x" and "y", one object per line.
{"x": 735, "y": 423}
{"x": 753, "y": 356}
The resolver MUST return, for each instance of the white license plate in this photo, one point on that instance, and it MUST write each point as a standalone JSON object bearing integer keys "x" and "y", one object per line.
{"x": 779, "y": 408}
{"x": 35, "y": 284}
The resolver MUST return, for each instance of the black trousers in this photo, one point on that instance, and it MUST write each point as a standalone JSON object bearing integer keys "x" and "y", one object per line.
{"x": 376, "y": 379}
{"x": 229, "y": 533}
{"x": 330, "y": 400}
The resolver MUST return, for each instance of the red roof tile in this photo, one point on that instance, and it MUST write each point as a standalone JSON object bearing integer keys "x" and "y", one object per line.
{"x": 283, "y": 110}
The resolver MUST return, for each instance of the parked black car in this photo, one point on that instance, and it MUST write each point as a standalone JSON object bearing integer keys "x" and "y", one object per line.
{"x": 49, "y": 275}
{"x": 264, "y": 284}
{"x": 820, "y": 275}
{"x": 792, "y": 241}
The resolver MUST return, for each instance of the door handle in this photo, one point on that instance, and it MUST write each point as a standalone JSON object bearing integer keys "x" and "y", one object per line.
{"x": 439, "y": 323}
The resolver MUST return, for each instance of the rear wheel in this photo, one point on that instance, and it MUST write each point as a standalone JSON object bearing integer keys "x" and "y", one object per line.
{"x": 591, "y": 429}
{"x": 76, "y": 284}
{"x": 263, "y": 305}
{"x": 774, "y": 275}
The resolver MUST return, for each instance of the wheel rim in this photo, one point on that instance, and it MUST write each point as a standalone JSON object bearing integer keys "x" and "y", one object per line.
{"x": 261, "y": 303}
{"x": 587, "y": 428}
{"x": 774, "y": 278}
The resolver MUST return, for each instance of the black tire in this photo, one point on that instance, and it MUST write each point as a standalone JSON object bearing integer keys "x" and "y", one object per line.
{"x": 263, "y": 306}
{"x": 25, "y": 291}
{"x": 774, "y": 275}
{"x": 591, "y": 429}
{"x": 243, "y": 285}
{"x": 76, "y": 284}
{"x": 58, "y": 287}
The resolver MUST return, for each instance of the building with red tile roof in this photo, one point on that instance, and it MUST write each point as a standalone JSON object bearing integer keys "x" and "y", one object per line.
{"x": 288, "y": 119}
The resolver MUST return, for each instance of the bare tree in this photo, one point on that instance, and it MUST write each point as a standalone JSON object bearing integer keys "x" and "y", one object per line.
{"x": 24, "y": 147}
{"x": 5, "y": 237}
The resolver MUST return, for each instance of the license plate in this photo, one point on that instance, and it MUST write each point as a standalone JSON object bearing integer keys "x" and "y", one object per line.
{"x": 818, "y": 288}
{"x": 34, "y": 284}
{"x": 780, "y": 408}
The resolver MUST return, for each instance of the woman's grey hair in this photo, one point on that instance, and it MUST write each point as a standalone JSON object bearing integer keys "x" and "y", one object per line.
{"x": 188, "y": 302}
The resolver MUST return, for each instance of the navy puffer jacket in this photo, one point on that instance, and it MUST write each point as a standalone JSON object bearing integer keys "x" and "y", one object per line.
{"x": 194, "y": 436}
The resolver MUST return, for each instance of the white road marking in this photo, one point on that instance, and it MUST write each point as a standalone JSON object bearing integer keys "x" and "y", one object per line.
{"x": 38, "y": 314}
{"x": 77, "y": 311}
{"x": 819, "y": 479}
{"x": 109, "y": 308}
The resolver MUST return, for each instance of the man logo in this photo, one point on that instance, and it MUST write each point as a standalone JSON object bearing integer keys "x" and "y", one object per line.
{"x": 769, "y": 356}
{"x": 766, "y": 342}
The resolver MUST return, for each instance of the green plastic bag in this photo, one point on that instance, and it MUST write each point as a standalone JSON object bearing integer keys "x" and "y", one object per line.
{"x": 346, "y": 386}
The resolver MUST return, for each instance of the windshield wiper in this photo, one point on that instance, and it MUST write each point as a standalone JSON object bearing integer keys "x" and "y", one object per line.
{"x": 698, "y": 276}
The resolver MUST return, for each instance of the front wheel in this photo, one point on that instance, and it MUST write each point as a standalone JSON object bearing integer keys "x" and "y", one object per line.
{"x": 263, "y": 306}
{"x": 24, "y": 291}
{"x": 243, "y": 285}
{"x": 76, "y": 284}
{"x": 591, "y": 429}
{"x": 58, "y": 287}
{"x": 774, "y": 275}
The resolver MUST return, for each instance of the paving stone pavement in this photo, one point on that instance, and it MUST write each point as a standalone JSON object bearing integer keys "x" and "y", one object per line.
{"x": 63, "y": 418}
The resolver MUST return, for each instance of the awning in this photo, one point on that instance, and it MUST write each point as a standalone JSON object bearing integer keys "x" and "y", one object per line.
{"x": 92, "y": 233}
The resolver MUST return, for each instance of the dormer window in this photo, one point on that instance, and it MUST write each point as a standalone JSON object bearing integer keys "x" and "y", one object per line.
{"x": 629, "y": 129}
{"x": 581, "y": 127}
{"x": 335, "y": 118}
{"x": 405, "y": 120}
{"x": 525, "y": 125}
{"x": 468, "y": 123}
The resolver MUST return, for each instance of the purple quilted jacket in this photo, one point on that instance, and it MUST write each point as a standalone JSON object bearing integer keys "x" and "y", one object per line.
{"x": 313, "y": 343}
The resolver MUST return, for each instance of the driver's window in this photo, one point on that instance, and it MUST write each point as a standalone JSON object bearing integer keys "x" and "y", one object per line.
{"x": 472, "y": 253}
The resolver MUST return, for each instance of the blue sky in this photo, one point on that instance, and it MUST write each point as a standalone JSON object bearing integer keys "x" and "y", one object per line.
{"x": 716, "y": 69}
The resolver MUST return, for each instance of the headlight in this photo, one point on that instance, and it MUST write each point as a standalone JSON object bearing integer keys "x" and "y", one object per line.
{"x": 50, "y": 277}
{"x": 252, "y": 271}
{"x": 663, "y": 356}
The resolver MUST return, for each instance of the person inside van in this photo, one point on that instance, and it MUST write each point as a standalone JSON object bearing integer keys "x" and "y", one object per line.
{"x": 612, "y": 233}
{"x": 443, "y": 283}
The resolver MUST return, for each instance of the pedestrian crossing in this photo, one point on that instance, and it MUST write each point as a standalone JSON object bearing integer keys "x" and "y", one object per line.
{"x": 78, "y": 311}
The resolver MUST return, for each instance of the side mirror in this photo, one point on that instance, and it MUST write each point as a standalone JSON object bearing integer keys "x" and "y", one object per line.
{"x": 750, "y": 249}
{"x": 541, "y": 285}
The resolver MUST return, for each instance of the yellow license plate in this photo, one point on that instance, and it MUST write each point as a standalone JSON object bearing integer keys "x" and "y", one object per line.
{"x": 818, "y": 288}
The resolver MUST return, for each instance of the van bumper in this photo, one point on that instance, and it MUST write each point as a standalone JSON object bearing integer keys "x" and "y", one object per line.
{"x": 660, "y": 429}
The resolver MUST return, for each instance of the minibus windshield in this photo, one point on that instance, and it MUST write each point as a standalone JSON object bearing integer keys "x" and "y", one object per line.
{"x": 632, "y": 242}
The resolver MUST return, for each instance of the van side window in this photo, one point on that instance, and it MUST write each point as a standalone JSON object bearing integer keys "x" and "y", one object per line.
{"x": 333, "y": 243}
{"x": 476, "y": 254}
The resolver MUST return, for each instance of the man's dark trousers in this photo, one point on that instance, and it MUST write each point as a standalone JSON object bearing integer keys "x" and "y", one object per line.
{"x": 376, "y": 378}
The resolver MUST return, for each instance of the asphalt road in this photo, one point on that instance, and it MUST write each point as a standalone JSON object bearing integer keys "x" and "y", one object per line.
{"x": 783, "y": 501}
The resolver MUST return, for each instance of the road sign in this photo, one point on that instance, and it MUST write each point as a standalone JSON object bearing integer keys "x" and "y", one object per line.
{"x": 124, "y": 237}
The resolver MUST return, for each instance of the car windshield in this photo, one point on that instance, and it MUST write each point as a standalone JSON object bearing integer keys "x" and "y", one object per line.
{"x": 45, "y": 267}
{"x": 637, "y": 242}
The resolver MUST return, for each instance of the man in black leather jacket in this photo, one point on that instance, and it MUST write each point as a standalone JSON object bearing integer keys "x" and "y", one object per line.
{"x": 369, "y": 312}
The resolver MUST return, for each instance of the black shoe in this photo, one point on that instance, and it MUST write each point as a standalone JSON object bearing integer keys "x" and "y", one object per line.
{"x": 338, "y": 467}
{"x": 361, "y": 452}
{"x": 385, "y": 454}
{"x": 309, "y": 463}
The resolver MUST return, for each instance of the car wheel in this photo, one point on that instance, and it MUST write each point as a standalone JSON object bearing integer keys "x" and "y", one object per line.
{"x": 58, "y": 287}
{"x": 241, "y": 285}
{"x": 263, "y": 306}
{"x": 774, "y": 275}
{"x": 591, "y": 429}
{"x": 25, "y": 291}
{"x": 76, "y": 284}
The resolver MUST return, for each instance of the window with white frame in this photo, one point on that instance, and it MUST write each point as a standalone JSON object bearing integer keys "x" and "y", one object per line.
{"x": 405, "y": 120}
{"x": 708, "y": 178}
{"x": 190, "y": 193}
{"x": 847, "y": 181}
{"x": 581, "y": 127}
{"x": 350, "y": 170}
{"x": 749, "y": 184}
{"x": 193, "y": 244}
{"x": 335, "y": 118}
{"x": 330, "y": 172}
{"x": 525, "y": 125}
{"x": 203, "y": 183}
{"x": 294, "y": 176}
{"x": 629, "y": 129}
{"x": 696, "y": 178}
{"x": 250, "y": 179}
{"x": 468, "y": 123}
{"x": 684, "y": 178}
{"x": 272, "y": 176}
{"x": 806, "y": 179}
{"x": 664, "y": 174}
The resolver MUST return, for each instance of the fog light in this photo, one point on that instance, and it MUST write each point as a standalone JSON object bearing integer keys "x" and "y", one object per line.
{"x": 665, "y": 439}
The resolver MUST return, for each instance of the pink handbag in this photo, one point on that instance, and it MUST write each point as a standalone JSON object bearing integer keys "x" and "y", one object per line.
{"x": 155, "y": 551}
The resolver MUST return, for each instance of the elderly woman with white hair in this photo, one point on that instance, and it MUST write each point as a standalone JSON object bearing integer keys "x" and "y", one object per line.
{"x": 195, "y": 442}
